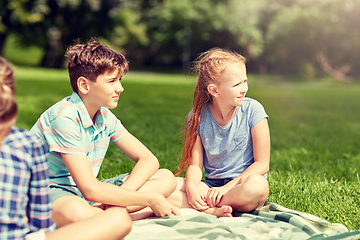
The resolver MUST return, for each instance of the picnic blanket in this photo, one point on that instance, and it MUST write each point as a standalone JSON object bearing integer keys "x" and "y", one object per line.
{"x": 271, "y": 222}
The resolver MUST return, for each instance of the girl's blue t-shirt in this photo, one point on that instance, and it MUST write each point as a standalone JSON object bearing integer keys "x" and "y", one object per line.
{"x": 228, "y": 150}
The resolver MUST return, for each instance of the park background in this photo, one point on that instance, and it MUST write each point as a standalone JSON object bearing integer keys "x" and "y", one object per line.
{"x": 303, "y": 63}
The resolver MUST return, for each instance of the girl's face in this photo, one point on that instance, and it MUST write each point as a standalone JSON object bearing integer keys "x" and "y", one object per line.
{"x": 232, "y": 85}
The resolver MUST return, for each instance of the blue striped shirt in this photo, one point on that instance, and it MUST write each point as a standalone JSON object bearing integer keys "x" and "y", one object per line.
{"x": 66, "y": 127}
{"x": 23, "y": 185}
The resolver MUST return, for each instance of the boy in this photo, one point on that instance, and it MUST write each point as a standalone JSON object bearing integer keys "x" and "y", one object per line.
{"x": 25, "y": 209}
{"x": 77, "y": 132}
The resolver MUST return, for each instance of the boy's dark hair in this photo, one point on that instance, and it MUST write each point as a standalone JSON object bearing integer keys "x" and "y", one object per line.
{"x": 91, "y": 60}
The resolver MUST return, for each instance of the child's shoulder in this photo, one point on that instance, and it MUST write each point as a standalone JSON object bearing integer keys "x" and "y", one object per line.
{"x": 252, "y": 106}
{"x": 253, "y": 109}
{"x": 66, "y": 107}
{"x": 19, "y": 138}
{"x": 250, "y": 102}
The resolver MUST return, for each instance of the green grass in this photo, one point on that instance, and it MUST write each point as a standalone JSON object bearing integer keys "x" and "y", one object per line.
{"x": 315, "y": 130}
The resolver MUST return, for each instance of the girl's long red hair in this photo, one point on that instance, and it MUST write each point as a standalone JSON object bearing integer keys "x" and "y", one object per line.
{"x": 209, "y": 66}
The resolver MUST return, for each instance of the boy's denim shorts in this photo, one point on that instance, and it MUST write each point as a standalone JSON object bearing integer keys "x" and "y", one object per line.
{"x": 57, "y": 191}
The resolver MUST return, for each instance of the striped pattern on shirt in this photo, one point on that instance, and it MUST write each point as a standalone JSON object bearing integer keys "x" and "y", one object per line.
{"x": 66, "y": 127}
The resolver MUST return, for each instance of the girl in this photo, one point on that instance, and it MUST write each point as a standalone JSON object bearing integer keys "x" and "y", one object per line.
{"x": 228, "y": 134}
{"x": 25, "y": 210}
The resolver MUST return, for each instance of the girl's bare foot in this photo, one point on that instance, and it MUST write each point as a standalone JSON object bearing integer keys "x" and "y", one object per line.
{"x": 223, "y": 211}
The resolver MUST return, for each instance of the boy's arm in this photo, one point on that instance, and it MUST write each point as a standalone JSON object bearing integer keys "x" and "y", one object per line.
{"x": 146, "y": 163}
{"x": 101, "y": 192}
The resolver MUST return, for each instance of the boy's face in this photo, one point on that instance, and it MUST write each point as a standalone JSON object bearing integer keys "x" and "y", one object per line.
{"x": 106, "y": 90}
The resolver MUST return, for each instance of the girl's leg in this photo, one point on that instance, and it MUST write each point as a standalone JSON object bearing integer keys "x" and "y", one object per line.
{"x": 179, "y": 199}
{"x": 251, "y": 194}
{"x": 113, "y": 223}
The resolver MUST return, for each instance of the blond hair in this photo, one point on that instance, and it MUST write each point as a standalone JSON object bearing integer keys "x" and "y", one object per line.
{"x": 209, "y": 66}
{"x": 8, "y": 106}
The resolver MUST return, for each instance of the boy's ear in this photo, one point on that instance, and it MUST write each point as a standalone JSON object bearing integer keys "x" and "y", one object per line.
{"x": 83, "y": 85}
{"x": 212, "y": 90}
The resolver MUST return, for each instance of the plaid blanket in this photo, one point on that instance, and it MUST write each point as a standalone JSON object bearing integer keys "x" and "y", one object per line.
{"x": 271, "y": 222}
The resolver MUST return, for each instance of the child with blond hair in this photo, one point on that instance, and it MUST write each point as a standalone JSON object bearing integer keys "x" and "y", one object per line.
{"x": 227, "y": 134}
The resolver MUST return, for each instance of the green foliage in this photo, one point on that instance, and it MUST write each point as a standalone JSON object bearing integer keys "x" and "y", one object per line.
{"x": 55, "y": 24}
{"x": 303, "y": 37}
{"x": 15, "y": 12}
{"x": 275, "y": 36}
{"x": 22, "y": 55}
{"x": 301, "y": 30}
{"x": 129, "y": 29}
{"x": 315, "y": 157}
{"x": 243, "y": 19}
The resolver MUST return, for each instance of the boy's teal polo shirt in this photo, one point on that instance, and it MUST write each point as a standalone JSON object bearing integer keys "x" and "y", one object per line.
{"x": 66, "y": 127}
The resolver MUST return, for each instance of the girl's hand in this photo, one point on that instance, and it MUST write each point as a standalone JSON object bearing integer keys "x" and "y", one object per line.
{"x": 215, "y": 194}
{"x": 196, "y": 198}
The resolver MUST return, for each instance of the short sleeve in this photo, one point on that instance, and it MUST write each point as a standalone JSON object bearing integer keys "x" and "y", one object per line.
{"x": 257, "y": 112}
{"x": 117, "y": 130}
{"x": 64, "y": 136}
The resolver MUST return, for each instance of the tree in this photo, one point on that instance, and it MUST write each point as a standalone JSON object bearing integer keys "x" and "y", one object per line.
{"x": 61, "y": 22}
{"x": 177, "y": 31}
{"x": 320, "y": 35}
{"x": 276, "y": 36}
{"x": 13, "y": 14}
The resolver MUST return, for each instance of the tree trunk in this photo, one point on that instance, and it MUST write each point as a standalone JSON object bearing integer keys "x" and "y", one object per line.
{"x": 2, "y": 42}
{"x": 53, "y": 52}
{"x": 339, "y": 74}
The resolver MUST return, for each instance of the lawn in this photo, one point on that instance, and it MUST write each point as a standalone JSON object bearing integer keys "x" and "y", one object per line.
{"x": 315, "y": 130}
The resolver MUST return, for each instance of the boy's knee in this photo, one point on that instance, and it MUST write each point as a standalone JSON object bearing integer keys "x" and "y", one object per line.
{"x": 72, "y": 211}
{"x": 119, "y": 220}
{"x": 167, "y": 179}
{"x": 121, "y": 216}
{"x": 166, "y": 175}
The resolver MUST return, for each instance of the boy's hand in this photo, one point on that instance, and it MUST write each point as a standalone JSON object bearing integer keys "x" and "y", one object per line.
{"x": 215, "y": 194}
{"x": 161, "y": 207}
{"x": 196, "y": 198}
